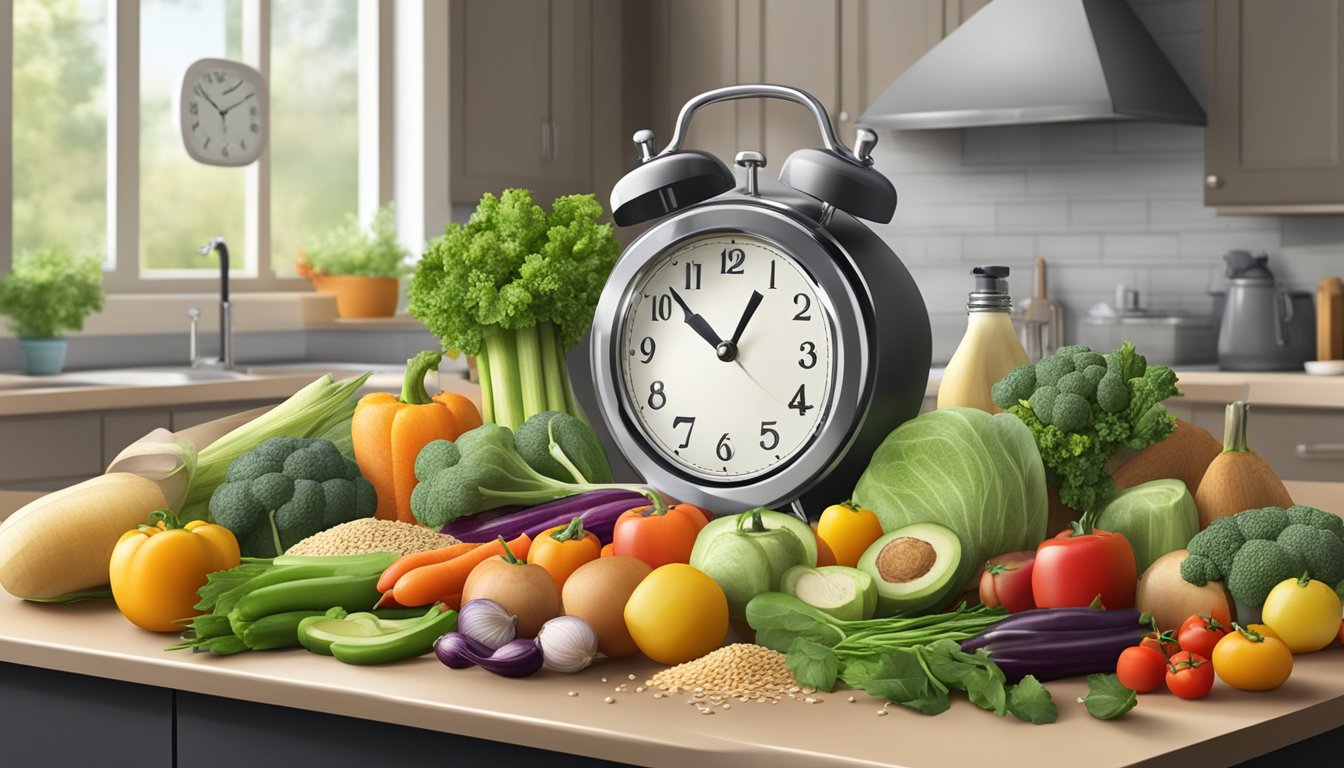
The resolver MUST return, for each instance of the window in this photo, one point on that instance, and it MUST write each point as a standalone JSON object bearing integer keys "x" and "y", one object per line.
{"x": 98, "y": 164}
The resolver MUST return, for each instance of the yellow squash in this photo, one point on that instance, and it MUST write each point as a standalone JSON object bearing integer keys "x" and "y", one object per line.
{"x": 157, "y": 568}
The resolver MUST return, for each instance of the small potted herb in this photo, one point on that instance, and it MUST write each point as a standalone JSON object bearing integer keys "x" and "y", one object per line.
{"x": 50, "y": 291}
{"x": 360, "y": 265}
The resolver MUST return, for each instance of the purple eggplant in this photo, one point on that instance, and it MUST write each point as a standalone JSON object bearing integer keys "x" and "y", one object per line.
{"x": 516, "y": 658}
{"x": 1053, "y": 619}
{"x": 599, "y": 510}
{"x": 1052, "y": 643}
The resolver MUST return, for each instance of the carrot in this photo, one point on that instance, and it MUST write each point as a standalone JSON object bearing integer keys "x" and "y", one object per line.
{"x": 440, "y": 581}
{"x": 407, "y": 563}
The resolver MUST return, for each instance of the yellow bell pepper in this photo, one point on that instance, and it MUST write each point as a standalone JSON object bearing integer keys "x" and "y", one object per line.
{"x": 157, "y": 568}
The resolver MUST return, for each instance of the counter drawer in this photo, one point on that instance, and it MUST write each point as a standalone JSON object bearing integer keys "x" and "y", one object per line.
{"x": 34, "y": 448}
{"x": 1299, "y": 443}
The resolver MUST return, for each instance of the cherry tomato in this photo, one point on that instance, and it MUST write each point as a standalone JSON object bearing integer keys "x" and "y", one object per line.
{"x": 1141, "y": 669}
{"x": 1250, "y": 661}
{"x": 1162, "y": 642}
{"x": 658, "y": 539}
{"x": 1007, "y": 581}
{"x": 1199, "y": 634}
{"x": 1073, "y": 570}
{"x": 1189, "y": 675}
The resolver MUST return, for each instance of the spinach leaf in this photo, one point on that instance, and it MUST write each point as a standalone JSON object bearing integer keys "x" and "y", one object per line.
{"x": 935, "y": 702}
{"x": 1030, "y": 702}
{"x": 1107, "y": 698}
{"x": 899, "y": 677}
{"x": 813, "y": 664}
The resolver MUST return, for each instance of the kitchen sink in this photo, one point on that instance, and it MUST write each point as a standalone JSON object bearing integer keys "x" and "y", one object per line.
{"x": 128, "y": 377}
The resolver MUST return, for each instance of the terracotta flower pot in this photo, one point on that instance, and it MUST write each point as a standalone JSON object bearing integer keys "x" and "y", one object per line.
{"x": 360, "y": 296}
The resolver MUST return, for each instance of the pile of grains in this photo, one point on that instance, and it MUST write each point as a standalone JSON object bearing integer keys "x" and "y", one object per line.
{"x": 370, "y": 534}
{"x": 741, "y": 670}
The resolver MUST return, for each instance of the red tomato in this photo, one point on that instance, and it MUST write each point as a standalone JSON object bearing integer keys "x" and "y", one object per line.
{"x": 1161, "y": 642}
{"x": 1198, "y": 634}
{"x": 1072, "y": 571}
{"x": 658, "y": 539}
{"x": 1007, "y": 581}
{"x": 1190, "y": 675}
{"x": 1141, "y": 669}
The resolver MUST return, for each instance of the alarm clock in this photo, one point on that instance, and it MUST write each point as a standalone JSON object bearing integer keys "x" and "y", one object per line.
{"x": 223, "y": 110}
{"x": 751, "y": 348}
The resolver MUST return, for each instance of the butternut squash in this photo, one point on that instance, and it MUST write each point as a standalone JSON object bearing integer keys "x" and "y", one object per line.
{"x": 62, "y": 542}
{"x": 1238, "y": 478}
{"x": 1185, "y": 455}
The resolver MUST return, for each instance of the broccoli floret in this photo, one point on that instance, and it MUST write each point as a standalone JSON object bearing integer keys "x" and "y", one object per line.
{"x": 1258, "y": 566}
{"x": 484, "y": 470}
{"x": 562, "y": 448}
{"x": 1015, "y": 387}
{"x": 288, "y": 489}
{"x": 1077, "y": 383}
{"x": 1301, "y": 513}
{"x": 1094, "y": 374}
{"x": 1084, "y": 360}
{"x": 1071, "y": 412}
{"x": 1322, "y": 550}
{"x": 1218, "y": 544}
{"x": 1042, "y": 404}
{"x": 1199, "y": 570}
{"x": 1051, "y": 369}
{"x": 1112, "y": 393}
{"x": 1266, "y": 523}
{"x": 1070, "y": 350}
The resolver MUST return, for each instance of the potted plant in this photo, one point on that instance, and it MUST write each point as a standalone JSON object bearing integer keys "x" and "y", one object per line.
{"x": 50, "y": 291}
{"x": 361, "y": 266}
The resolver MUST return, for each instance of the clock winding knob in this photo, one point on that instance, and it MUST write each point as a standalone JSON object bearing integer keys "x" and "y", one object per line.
{"x": 644, "y": 140}
{"x": 753, "y": 161}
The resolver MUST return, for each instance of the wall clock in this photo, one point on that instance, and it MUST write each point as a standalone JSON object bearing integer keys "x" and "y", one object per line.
{"x": 752, "y": 348}
{"x": 223, "y": 112}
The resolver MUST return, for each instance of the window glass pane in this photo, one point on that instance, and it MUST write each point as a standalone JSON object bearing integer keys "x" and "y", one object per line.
{"x": 60, "y": 125}
{"x": 314, "y": 134}
{"x": 184, "y": 203}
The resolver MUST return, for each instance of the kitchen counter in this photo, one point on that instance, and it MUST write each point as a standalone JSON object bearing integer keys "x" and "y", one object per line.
{"x": 568, "y": 713}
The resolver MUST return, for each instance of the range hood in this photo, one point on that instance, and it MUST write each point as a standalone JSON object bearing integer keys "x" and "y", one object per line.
{"x": 1038, "y": 61}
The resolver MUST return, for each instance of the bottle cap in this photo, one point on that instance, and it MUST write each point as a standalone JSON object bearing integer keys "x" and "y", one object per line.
{"x": 991, "y": 290}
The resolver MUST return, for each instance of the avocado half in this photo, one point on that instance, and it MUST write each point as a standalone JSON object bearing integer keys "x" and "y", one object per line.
{"x": 913, "y": 567}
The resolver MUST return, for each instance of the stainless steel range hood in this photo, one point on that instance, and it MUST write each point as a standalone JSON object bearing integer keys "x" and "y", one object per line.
{"x": 1039, "y": 61}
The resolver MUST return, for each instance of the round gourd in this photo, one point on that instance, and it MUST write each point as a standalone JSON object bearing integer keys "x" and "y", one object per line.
{"x": 597, "y": 592}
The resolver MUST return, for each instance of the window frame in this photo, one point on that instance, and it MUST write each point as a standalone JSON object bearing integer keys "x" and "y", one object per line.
{"x": 122, "y": 272}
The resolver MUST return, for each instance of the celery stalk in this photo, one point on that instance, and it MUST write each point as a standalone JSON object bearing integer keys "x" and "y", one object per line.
{"x": 505, "y": 387}
{"x": 534, "y": 368}
{"x": 556, "y": 373}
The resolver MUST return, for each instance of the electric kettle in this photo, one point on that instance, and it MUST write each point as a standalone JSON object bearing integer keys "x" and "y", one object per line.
{"x": 1264, "y": 327}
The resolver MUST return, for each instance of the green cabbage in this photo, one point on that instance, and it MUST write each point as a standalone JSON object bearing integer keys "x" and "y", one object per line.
{"x": 1157, "y": 517}
{"x": 977, "y": 474}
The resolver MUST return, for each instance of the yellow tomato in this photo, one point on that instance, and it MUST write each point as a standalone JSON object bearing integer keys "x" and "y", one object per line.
{"x": 848, "y": 530}
{"x": 1252, "y": 661}
{"x": 1304, "y": 612}
{"x": 677, "y": 614}
{"x": 156, "y": 569}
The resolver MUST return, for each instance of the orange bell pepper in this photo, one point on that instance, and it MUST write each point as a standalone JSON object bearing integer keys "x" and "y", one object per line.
{"x": 388, "y": 433}
{"x": 157, "y": 568}
{"x": 562, "y": 549}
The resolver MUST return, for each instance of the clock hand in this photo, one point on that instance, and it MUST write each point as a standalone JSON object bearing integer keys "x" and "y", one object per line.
{"x": 752, "y": 304}
{"x": 238, "y": 104}
{"x": 697, "y": 323}
{"x": 758, "y": 383}
{"x": 206, "y": 96}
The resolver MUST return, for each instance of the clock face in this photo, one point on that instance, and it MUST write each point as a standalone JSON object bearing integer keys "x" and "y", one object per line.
{"x": 223, "y": 112}
{"x": 728, "y": 356}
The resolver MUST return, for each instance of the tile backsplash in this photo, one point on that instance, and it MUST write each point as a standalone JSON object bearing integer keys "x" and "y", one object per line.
{"x": 1103, "y": 203}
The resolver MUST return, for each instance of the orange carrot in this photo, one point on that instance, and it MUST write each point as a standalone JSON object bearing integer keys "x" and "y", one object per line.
{"x": 439, "y": 581}
{"x": 410, "y": 562}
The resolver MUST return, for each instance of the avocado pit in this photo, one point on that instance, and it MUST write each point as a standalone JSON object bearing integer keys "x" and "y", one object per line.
{"x": 905, "y": 559}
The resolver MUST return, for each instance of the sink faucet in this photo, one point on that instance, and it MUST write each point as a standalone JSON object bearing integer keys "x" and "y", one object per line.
{"x": 225, "y": 309}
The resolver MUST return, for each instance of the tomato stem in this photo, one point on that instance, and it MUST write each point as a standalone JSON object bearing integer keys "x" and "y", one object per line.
{"x": 508, "y": 555}
{"x": 572, "y": 532}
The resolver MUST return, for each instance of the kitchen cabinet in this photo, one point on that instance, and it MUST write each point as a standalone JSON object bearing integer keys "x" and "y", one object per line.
{"x": 1275, "y": 92}
{"x": 844, "y": 52}
{"x": 520, "y": 97}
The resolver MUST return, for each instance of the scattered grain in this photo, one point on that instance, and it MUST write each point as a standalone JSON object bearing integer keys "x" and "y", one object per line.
{"x": 370, "y": 534}
{"x": 741, "y": 669}
{"x": 610, "y": 700}
{"x": 573, "y": 693}
{"x": 881, "y": 713}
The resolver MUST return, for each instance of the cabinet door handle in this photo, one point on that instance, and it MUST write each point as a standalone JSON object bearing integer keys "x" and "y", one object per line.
{"x": 1212, "y": 181}
{"x": 1321, "y": 451}
{"x": 545, "y": 140}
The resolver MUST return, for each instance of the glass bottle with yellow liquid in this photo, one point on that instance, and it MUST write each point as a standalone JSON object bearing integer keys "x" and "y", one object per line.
{"x": 990, "y": 348}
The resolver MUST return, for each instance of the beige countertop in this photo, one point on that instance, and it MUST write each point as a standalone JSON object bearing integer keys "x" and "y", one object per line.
{"x": 1227, "y": 727}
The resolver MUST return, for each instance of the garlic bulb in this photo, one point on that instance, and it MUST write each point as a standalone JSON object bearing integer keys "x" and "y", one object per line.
{"x": 568, "y": 643}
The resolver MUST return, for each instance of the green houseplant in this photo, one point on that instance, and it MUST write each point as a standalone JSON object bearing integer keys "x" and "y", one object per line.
{"x": 50, "y": 291}
{"x": 360, "y": 265}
